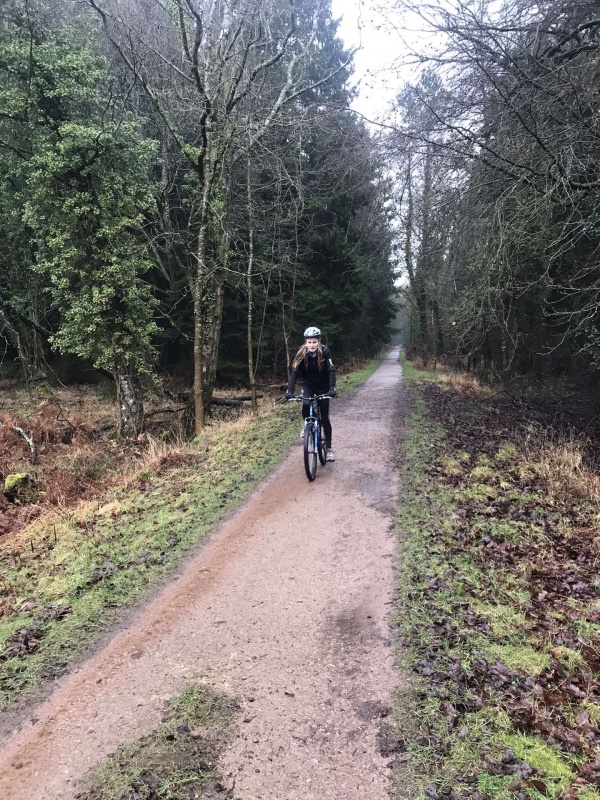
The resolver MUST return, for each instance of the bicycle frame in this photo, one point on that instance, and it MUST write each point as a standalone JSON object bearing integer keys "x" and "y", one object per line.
{"x": 313, "y": 428}
{"x": 314, "y": 415}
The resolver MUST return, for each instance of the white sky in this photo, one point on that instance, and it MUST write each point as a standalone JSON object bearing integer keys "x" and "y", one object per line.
{"x": 361, "y": 25}
{"x": 385, "y": 60}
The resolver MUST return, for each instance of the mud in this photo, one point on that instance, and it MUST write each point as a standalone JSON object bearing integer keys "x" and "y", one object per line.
{"x": 286, "y": 608}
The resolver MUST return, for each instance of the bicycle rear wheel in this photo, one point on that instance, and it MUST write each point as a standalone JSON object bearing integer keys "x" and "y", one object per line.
{"x": 322, "y": 447}
{"x": 310, "y": 454}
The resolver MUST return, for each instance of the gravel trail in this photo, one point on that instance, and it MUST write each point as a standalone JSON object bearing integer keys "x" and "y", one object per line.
{"x": 286, "y": 608}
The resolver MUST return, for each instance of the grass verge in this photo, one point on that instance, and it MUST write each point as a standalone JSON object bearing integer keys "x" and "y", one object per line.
{"x": 499, "y": 610}
{"x": 65, "y": 577}
{"x": 177, "y": 761}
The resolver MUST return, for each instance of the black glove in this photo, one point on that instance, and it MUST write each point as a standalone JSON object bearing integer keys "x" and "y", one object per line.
{"x": 289, "y": 394}
{"x": 332, "y": 392}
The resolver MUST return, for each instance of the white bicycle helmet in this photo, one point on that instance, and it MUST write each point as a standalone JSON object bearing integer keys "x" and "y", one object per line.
{"x": 312, "y": 332}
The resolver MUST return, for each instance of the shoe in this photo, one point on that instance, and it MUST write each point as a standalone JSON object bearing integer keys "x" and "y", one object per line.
{"x": 302, "y": 433}
{"x": 330, "y": 455}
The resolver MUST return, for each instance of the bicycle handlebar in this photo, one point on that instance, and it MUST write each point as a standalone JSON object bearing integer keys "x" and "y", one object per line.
{"x": 299, "y": 399}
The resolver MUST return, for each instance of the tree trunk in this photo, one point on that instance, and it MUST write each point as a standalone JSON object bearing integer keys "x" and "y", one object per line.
{"x": 437, "y": 324}
{"x": 198, "y": 393}
{"x": 198, "y": 289}
{"x": 129, "y": 400}
{"x": 29, "y": 346}
{"x": 212, "y": 356}
{"x": 415, "y": 270}
{"x": 424, "y": 265}
{"x": 35, "y": 337}
{"x": 212, "y": 349}
{"x": 207, "y": 327}
{"x": 287, "y": 326}
{"x": 421, "y": 300}
{"x": 251, "y": 376}
{"x": 286, "y": 339}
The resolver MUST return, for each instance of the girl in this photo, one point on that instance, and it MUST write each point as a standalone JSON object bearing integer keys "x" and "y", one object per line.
{"x": 314, "y": 366}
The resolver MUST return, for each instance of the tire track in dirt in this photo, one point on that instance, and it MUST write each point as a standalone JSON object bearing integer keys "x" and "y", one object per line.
{"x": 286, "y": 608}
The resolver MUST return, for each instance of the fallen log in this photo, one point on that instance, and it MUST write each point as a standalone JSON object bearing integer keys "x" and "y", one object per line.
{"x": 234, "y": 402}
{"x": 244, "y": 397}
{"x": 164, "y": 411}
{"x": 226, "y": 401}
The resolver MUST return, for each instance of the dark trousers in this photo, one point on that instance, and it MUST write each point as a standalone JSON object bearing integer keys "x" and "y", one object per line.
{"x": 323, "y": 408}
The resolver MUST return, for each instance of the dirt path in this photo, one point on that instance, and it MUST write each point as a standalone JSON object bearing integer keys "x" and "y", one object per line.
{"x": 285, "y": 608}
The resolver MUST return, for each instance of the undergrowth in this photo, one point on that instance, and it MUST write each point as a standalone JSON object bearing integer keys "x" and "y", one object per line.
{"x": 499, "y": 606}
{"x": 65, "y": 577}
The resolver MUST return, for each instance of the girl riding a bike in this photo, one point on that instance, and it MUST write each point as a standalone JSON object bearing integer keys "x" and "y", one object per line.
{"x": 314, "y": 366}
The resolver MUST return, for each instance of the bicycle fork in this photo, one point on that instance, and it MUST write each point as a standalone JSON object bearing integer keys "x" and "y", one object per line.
{"x": 314, "y": 423}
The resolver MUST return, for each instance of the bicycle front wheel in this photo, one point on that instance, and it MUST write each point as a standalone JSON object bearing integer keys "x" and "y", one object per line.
{"x": 310, "y": 453}
{"x": 322, "y": 447}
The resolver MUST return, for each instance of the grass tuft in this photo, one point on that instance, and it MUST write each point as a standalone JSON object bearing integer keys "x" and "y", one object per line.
{"x": 177, "y": 761}
{"x": 561, "y": 462}
{"x": 543, "y": 757}
{"x": 519, "y": 657}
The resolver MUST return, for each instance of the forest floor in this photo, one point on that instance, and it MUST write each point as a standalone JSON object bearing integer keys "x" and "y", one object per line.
{"x": 78, "y": 454}
{"x": 499, "y": 599}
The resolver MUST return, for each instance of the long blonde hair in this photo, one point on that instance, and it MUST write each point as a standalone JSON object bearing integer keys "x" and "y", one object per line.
{"x": 302, "y": 355}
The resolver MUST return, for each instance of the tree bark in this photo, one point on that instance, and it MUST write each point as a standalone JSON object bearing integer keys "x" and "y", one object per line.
{"x": 129, "y": 401}
{"x": 198, "y": 290}
{"x": 287, "y": 327}
{"x": 414, "y": 272}
{"x": 425, "y": 258}
{"x": 198, "y": 393}
{"x": 214, "y": 336}
{"x": 438, "y": 331}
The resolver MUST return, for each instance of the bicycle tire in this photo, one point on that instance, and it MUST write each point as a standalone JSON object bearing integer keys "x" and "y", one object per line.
{"x": 310, "y": 455}
{"x": 322, "y": 447}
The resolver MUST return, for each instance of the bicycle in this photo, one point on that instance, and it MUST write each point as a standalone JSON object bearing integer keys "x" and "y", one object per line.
{"x": 314, "y": 440}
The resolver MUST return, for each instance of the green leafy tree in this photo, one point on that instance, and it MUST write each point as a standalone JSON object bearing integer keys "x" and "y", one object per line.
{"x": 75, "y": 187}
{"x": 87, "y": 191}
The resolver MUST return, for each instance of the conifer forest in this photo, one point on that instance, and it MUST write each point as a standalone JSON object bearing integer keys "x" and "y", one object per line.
{"x": 184, "y": 186}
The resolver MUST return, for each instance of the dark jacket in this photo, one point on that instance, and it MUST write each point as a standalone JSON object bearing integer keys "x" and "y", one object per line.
{"x": 318, "y": 381}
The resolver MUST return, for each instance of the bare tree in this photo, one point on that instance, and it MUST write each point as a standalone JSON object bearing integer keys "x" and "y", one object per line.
{"x": 517, "y": 119}
{"x": 217, "y": 75}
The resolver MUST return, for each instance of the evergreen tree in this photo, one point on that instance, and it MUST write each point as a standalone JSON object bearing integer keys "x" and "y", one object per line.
{"x": 77, "y": 175}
